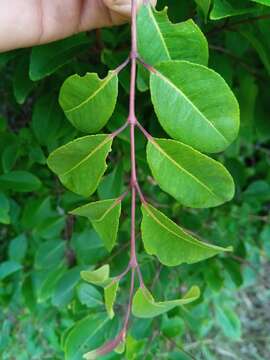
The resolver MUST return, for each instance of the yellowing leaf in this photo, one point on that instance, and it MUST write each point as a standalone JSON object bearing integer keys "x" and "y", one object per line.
{"x": 88, "y": 102}
{"x": 145, "y": 306}
{"x": 104, "y": 216}
{"x": 170, "y": 243}
{"x": 81, "y": 163}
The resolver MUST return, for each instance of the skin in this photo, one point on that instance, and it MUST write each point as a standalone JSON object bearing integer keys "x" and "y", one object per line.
{"x": 25, "y": 23}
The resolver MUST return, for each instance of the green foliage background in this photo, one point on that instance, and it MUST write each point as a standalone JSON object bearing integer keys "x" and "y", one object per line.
{"x": 42, "y": 248}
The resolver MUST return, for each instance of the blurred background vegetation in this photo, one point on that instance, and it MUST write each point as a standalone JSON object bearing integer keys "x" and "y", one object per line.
{"x": 42, "y": 248}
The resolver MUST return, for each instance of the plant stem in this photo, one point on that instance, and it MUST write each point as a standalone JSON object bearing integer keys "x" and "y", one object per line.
{"x": 119, "y": 130}
{"x": 132, "y": 121}
{"x": 131, "y": 291}
{"x": 122, "y": 66}
{"x": 133, "y": 56}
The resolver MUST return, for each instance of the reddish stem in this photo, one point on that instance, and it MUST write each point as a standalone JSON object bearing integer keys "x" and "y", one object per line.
{"x": 119, "y": 130}
{"x": 147, "y": 66}
{"x": 122, "y": 66}
{"x": 148, "y": 136}
{"x": 132, "y": 121}
{"x": 131, "y": 291}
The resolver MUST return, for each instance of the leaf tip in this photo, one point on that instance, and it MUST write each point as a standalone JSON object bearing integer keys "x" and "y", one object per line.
{"x": 91, "y": 355}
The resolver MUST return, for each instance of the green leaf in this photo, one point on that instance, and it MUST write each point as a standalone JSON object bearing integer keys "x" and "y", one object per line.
{"x": 87, "y": 334}
{"x": 110, "y": 292}
{"x": 46, "y": 59}
{"x": 229, "y": 322}
{"x": 194, "y": 179}
{"x": 170, "y": 243}
{"x": 4, "y": 209}
{"x": 159, "y": 39}
{"x": 9, "y": 156}
{"x": 88, "y": 101}
{"x": 172, "y": 327}
{"x": 88, "y": 295}
{"x": 48, "y": 119}
{"x": 227, "y": 8}
{"x": 65, "y": 287}
{"x": 204, "y": 6}
{"x": 3, "y": 123}
{"x": 111, "y": 186}
{"x": 257, "y": 35}
{"x": 8, "y": 268}
{"x": 19, "y": 181}
{"x": 145, "y": 306}
{"x": 47, "y": 287}
{"x": 99, "y": 276}
{"x": 28, "y": 293}
{"x": 88, "y": 247}
{"x": 22, "y": 84}
{"x": 50, "y": 254}
{"x": 17, "y": 248}
{"x": 195, "y": 105}
{"x": 263, "y": 2}
{"x": 81, "y": 163}
{"x": 104, "y": 216}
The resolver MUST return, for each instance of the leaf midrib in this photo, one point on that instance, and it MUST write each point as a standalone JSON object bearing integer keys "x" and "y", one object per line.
{"x": 104, "y": 142}
{"x": 158, "y": 31}
{"x": 178, "y": 90}
{"x": 183, "y": 169}
{"x": 193, "y": 241}
{"x": 114, "y": 204}
{"x": 53, "y": 251}
{"x": 90, "y": 336}
{"x": 105, "y": 82}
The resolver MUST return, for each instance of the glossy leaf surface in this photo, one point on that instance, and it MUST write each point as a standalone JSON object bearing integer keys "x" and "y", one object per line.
{"x": 159, "y": 39}
{"x": 226, "y": 8}
{"x": 104, "y": 216}
{"x": 195, "y": 105}
{"x": 46, "y": 59}
{"x": 88, "y": 101}
{"x": 19, "y": 181}
{"x": 110, "y": 292}
{"x": 87, "y": 334}
{"x": 170, "y": 243}
{"x": 99, "y": 276}
{"x": 192, "y": 178}
{"x": 145, "y": 306}
{"x": 81, "y": 163}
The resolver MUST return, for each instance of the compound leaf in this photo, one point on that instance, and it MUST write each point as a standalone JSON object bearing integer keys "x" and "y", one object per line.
{"x": 144, "y": 305}
{"x": 159, "y": 39}
{"x": 192, "y": 178}
{"x": 170, "y": 243}
{"x": 88, "y": 101}
{"x": 104, "y": 216}
{"x": 81, "y": 163}
{"x": 195, "y": 105}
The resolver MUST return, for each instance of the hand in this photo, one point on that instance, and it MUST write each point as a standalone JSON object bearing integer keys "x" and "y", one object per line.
{"x": 26, "y": 23}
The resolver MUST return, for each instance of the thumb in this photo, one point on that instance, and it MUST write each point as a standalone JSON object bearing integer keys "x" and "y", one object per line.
{"x": 121, "y": 9}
